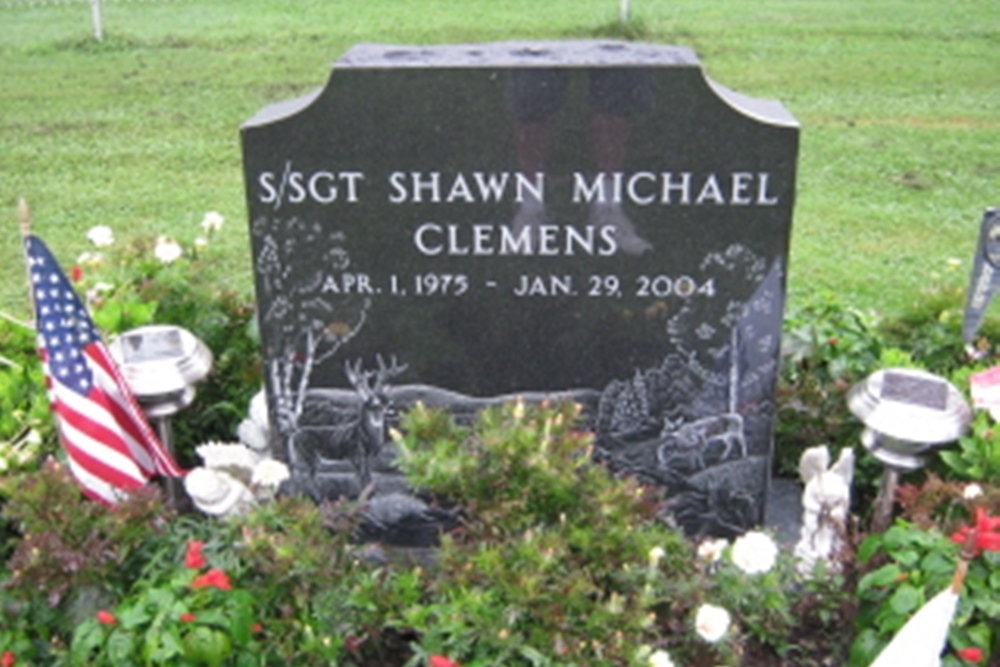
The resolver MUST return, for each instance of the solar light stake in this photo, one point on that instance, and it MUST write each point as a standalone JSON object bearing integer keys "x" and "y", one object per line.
{"x": 161, "y": 365}
{"x": 907, "y": 413}
{"x": 884, "y": 501}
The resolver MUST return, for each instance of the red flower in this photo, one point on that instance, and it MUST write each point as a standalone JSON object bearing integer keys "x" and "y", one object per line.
{"x": 76, "y": 274}
{"x": 186, "y": 617}
{"x": 106, "y": 617}
{"x": 193, "y": 558}
{"x": 7, "y": 659}
{"x": 442, "y": 661}
{"x": 256, "y": 628}
{"x": 214, "y": 578}
{"x": 984, "y": 534}
{"x": 971, "y": 654}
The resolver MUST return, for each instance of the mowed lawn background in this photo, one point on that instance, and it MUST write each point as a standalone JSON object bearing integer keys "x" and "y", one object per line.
{"x": 899, "y": 103}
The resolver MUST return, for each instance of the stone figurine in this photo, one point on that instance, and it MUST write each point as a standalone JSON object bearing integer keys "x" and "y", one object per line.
{"x": 826, "y": 502}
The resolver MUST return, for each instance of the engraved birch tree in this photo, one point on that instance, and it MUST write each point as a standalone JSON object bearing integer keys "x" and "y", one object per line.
{"x": 303, "y": 324}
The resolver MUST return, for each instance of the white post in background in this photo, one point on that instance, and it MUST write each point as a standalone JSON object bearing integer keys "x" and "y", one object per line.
{"x": 623, "y": 10}
{"x": 95, "y": 13}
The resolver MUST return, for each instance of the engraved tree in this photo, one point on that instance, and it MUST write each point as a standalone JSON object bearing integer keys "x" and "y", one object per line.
{"x": 302, "y": 324}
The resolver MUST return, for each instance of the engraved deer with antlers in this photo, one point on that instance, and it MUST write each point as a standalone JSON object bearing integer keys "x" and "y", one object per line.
{"x": 358, "y": 439}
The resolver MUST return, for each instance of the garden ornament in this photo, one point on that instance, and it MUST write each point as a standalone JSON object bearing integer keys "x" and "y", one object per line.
{"x": 233, "y": 478}
{"x": 217, "y": 493}
{"x": 255, "y": 429}
{"x": 161, "y": 365}
{"x": 920, "y": 642}
{"x": 826, "y": 502}
{"x": 906, "y": 413}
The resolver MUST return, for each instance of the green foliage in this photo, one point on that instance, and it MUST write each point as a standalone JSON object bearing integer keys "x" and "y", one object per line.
{"x": 828, "y": 346}
{"x": 71, "y": 553}
{"x": 540, "y": 573}
{"x": 560, "y": 563}
{"x": 977, "y": 456}
{"x": 68, "y": 543}
{"x": 930, "y": 330}
{"x": 128, "y": 285}
{"x": 907, "y": 566}
{"x": 26, "y": 431}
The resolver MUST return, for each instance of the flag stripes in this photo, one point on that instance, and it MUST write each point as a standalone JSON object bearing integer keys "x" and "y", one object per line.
{"x": 109, "y": 444}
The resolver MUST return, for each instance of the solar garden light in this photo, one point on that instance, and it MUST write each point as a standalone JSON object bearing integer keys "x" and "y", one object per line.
{"x": 907, "y": 413}
{"x": 161, "y": 365}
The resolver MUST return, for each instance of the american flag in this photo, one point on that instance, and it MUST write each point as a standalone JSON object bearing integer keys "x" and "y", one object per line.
{"x": 109, "y": 444}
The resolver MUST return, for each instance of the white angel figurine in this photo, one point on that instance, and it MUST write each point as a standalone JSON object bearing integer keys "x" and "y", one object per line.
{"x": 826, "y": 502}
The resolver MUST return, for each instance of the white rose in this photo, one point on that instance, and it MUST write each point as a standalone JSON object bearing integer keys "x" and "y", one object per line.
{"x": 167, "y": 250}
{"x": 660, "y": 658}
{"x": 972, "y": 491}
{"x": 754, "y": 552}
{"x": 711, "y": 550}
{"x": 212, "y": 222}
{"x": 101, "y": 236}
{"x": 711, "y": 622}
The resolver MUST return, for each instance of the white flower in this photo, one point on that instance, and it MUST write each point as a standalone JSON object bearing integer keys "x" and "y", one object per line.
{"x": 711, "y": 550}
{"x": 656, "y": 554}
{"x": 212, "y": 222}
{"x": 754, "y": 552}
{"x": 972, "y": 491}
{"x": 270, "y": 473}
{"x": 101, "y": 236}
{"x": 201, "y": 243}
{"x": 660, "y": 658}
{"x": 167, "y": 250}
{"x": 711, "y": 622}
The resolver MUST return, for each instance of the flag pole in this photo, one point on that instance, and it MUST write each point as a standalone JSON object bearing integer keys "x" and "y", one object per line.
{"x": 24, "y": 221}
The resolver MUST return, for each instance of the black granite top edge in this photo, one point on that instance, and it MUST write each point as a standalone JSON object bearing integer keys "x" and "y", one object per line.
{"x": 569, "y": 53}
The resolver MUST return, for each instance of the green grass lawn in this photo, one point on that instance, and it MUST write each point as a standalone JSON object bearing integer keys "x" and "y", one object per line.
{"x": 899, "y": 103}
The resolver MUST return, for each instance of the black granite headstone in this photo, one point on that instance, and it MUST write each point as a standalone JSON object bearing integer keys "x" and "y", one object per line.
{"x": 985, "y": 279}
{"x": 586, "y": 220}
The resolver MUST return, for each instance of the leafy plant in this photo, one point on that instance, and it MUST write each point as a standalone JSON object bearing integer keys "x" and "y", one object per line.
{"x": 26, "y": 431}
{"x": 193, "y": 614}
{"x": 544, "y": 573}
{"x": 977, "y": 456}
{"x": 149, "y": 280}
{"x": 906, "y": 567}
